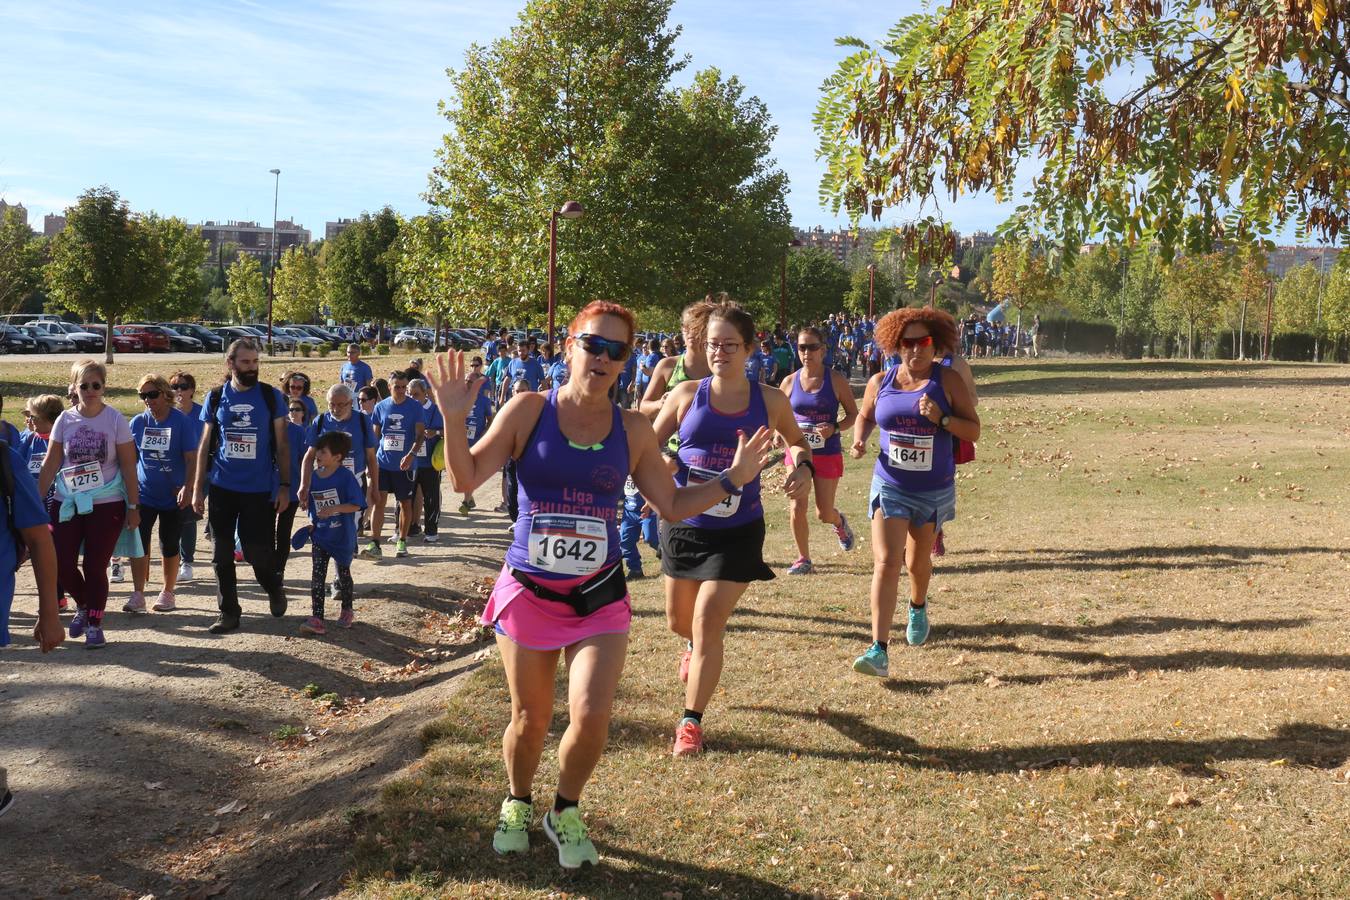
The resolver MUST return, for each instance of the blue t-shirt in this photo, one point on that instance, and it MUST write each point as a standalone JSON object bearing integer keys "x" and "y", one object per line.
{"x": 33, "y": 448}
{"x": 398, "y": 429}
{"x": 161, "y": 469}
{"x": 490, "y": 349}
{"x": 477, "y": 420}
{"x": 244, "y": 455}
{"x": 531, "y": 371}
{"x": 28, "y": 512}
{"x": 648, "y": 361}
{"x": 629, "y": 369}
{"x": 754, "y": 368}
{"x": 194, "y": 425}
{"x": 431, "y": 420}
{"x": 336, "y": 534}
{"x": 9, "y": 434}
{"x": 356, "y": 375}
{"x": 311, "y": 408}
{"x": 357, "y": 426}
{"x": 558, "y": 373}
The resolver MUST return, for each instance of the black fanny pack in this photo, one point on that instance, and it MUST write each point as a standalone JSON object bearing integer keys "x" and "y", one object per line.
{"x": 600, "y": 590}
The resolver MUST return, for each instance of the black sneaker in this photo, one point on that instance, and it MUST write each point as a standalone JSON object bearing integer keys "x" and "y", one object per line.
{"x": 277, "y": 602}
{"x": 6, "y": 802}
{"x": 224, "y": 624}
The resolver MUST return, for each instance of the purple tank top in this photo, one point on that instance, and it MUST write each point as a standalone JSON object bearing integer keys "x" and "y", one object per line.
{"x": 822, "y": 407}
{"x": 915, "y": 454}
{"x": 708, "y": 445}
{"x": 569, "y": 497}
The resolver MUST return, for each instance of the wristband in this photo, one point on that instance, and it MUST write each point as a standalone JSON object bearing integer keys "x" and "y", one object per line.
{"x": 724, "y": 479}
{"x": 283, "y": 484}
{"x": 808, "y": 464}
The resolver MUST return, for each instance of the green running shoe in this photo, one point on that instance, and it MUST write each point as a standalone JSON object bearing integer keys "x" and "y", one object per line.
{"x": 372, "y": 551}
{"x": 873, "y": 662}
{"x": 512, "y": 823}
{"x": 401, "y": 548}
{"x": 568, "y": 834}
{"x": 917, "y": 632}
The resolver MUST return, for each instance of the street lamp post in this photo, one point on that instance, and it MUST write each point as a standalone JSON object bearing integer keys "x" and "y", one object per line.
{"x": 782, "y": 295}
{"x": 871, "y": 291}
{"x": 570, "y": 210}
{"x": 272, "y": 268}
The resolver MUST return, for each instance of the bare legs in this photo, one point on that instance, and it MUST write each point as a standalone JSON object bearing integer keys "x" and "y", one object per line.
{"x": 825, "y": 490}
{"x": 698, "y": 611}
{"x": 896, "y": 542}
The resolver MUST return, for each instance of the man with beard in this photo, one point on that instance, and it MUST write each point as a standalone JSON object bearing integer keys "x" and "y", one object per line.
{"x": 244, "y": 438}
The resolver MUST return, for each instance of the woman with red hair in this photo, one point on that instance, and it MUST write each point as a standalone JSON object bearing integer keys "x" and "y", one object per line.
{"x": 561, "y": 591}
{"x": 919, "y": 407}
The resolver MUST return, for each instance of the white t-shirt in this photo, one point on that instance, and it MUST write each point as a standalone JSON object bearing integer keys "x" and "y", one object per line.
{"x": 88, "y": 439}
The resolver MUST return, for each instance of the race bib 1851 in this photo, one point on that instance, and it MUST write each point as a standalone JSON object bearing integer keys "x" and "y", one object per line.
{"x": 241, "y": 445}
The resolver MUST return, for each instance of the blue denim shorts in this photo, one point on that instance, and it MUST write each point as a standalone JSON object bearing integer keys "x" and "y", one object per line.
{"x": 919, "y": 507}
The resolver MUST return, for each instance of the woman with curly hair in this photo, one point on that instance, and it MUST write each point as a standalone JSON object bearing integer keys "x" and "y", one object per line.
{"x": 919, "y": 408}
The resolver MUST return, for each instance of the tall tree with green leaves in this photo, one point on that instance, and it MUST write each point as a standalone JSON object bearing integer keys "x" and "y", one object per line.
{"x": 1245, "y": 295}
{"x": 248, "y": 289}
{"x": 1023, "y": 276}
{"x": 297, "y": 292}
{"x": 1192, "y": 298}
{"x": 21, "y": 259}
{"x": 817, "y": 284}
{"x": 184, "y": 252}
{"x": 882, "y": 291}
{"x": 361, "y": 268}
{"x": 1298, "y": 304}
{"x": 679, "y": 193}
{"x": 1092, "y": 286}
{"x": 1185, "y": 122}
{"x": 106, "y": 262}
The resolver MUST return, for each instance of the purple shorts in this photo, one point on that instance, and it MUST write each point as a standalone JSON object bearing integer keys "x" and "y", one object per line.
{"x": 537, "y": 624}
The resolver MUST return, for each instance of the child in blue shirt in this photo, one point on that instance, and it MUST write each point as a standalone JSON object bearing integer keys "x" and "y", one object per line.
{"x": 335, "y": 497}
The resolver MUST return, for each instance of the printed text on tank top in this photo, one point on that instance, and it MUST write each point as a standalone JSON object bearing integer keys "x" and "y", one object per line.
{"x": 909, "y": 445}
{"x": 707, "y": 446}
{"x": 813, "y": 409}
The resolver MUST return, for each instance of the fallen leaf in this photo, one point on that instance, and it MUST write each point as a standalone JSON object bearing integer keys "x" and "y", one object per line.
{"x": 233, "y": 806}
{"x": 1180, "y": 797}
{"x": 154, "y": 785}
{"x": 993, "y": 681}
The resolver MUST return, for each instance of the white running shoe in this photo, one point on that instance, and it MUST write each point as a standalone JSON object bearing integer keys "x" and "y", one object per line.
{"x": 116, "y": 575}
{"x": 185, "y": 573}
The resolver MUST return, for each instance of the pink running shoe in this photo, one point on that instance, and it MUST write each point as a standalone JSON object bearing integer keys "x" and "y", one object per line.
{"x": 685, "y": 657}
{"x": 939, "y": 549}
{"x": 346, "y": 618}
{"x": 313, "y": 625}
{"x": 688, "y": 738}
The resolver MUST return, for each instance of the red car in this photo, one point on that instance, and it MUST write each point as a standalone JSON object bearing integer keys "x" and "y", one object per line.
{"x": 122, "y": 343}
{"x": 147, "y": 337}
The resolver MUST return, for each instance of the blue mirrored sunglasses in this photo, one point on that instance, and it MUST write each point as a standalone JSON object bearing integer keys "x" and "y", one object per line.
{"x": 593, "y": 343}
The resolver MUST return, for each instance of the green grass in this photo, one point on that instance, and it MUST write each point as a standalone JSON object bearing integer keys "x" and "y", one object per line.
{"x": 1138, "y": 681}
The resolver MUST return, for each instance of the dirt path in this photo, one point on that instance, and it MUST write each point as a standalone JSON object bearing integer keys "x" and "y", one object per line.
{"x": 176, "y": 763}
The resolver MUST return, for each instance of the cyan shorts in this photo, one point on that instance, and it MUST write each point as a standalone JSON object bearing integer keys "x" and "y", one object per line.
{"x": 919, "y": 507}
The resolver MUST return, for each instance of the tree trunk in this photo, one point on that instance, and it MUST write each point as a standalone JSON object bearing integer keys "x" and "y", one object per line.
{"x": 1190, "y": 340}
{"x": 108, "y": 344}
{"x": 1242, "y": 335}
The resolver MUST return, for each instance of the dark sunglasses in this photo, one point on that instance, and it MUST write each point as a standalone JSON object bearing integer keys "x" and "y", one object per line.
{"x": 598, "y": 346}
{"x": 915, "y": 343}
{"x": 298, "y": 409}
{"x": 91, "y": 385}
{"x": 146, "y": 395}
{"x": 807, "y": 348}
{"x": 181, "y": 386}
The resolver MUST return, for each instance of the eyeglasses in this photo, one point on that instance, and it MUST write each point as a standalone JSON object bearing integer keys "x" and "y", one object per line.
{"x": 916, "y": 343}
{"x": 91, "y": 385}
{"x": 807, "y": 348}
{"x": 728, "y": 347}
{"x": 298, "y": 409}
{"x": 598, "y": 346}
{"x": 146, "y": 395}
{"x": 181, "y": 386}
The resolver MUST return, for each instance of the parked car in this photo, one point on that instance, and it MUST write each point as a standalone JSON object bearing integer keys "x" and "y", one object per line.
{"x": 298, "y": 337}
{"x": 152, "y": 338}
{"x": 179, "y": 342}
{"x": 211, "y": 342}
{"x": 49, "y": 342}
{"x": 121, "y": 342}
{"x": 280, "y": 340}
{"x": 85, "y": 341}
{"x": 12, "y": 340}
{"x": 412, "y": 337}
{"x": 327, "y": 337}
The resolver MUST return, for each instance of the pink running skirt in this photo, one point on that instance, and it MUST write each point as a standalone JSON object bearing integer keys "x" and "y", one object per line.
{"x": 538, "y": 624}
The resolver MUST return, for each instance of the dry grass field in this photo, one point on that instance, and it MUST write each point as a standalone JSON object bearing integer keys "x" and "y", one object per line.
{"x": 1137, "y": 684}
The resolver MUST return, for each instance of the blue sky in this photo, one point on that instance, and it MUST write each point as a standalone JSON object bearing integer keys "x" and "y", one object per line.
{"x": 184, "y": 107}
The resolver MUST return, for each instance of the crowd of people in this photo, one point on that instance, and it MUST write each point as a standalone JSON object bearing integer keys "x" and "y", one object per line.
{"x": 609, "y": 439}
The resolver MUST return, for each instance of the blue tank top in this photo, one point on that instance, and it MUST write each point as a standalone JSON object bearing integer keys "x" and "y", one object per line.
{"x": 914, "y": 456}
{"x": 708, "y": 445}
{"x": 569, "y": 497}
{"x": 822, "y": 407}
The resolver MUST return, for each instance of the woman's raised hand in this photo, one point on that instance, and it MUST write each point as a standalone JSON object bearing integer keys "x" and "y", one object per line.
{"x": 752, "y": 454}
{"x": 454, "y": 394}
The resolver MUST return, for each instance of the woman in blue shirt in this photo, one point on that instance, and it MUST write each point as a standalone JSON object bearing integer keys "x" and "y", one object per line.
{"x": 165, "y": 454}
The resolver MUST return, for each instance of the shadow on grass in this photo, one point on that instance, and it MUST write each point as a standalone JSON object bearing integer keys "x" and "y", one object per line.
{"x": 1134, "y": 377}
{"x": 1125, "y": 625}
{"x": 1303, "y": 743}
{"x": 1129, "y": 559}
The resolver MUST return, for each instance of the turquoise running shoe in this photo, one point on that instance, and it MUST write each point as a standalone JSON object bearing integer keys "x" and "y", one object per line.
{"x": 917, "y": 632}
{"x": 873, "y": 662}
{"x": 512, "y": 827}
{"x": 568, "y": 834}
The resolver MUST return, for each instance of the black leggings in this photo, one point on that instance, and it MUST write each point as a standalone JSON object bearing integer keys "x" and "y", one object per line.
{"x": 429, "y": 480}
{"x": 318, "y": 582}
{"x": 282, "y": 551}
{"x": 170, "y": 529}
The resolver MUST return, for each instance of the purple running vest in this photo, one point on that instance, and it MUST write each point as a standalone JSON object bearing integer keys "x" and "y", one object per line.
{"x": 915, "y": 454}
{"x": 822, "y": 407}
{"x": 708, "y": 445}
{"x": 569, "y": 498}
